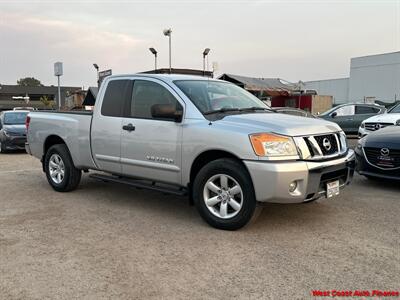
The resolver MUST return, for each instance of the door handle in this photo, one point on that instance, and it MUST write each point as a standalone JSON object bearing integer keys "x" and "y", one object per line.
{"x": 128, "y": 127}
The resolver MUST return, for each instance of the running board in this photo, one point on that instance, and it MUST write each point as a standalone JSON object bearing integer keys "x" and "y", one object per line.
{"x": 143, "y": 184}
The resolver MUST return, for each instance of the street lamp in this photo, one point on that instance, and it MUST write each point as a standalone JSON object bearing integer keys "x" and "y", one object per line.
{"x": 167, "y": 32}
{"x": 154, "y": 51}
{"x": 97, "y": 71}
{"x": 58, "y": 71}
{"x": 205, "y": 53}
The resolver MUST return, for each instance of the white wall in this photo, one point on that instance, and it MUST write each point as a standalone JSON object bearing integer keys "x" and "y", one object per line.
{"x": 375, "y": 76}
{"x": 338, "y": 88}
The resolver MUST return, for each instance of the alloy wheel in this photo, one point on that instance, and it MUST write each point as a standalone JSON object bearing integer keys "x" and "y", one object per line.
{"x": 223, "y": 196}
{"x": 56, "y": 168}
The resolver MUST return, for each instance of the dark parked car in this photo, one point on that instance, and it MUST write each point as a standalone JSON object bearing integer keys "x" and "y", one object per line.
{"x": 293, "y": 111}
{"x": 12, "y": 130}
{"x": 350, "y": 116}
{"x": 378, "y": 154}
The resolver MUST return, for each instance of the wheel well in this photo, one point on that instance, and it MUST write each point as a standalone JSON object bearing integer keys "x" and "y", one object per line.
{"x": 51, "y": 141}
{"x": 206, "y": 157}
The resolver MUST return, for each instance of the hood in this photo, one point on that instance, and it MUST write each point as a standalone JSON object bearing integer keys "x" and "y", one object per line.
{"x": 280, "y": 123}
{"x": 19, "y": 129}
{"x": 387, "y": 137}
{"x": 383, "y": 118}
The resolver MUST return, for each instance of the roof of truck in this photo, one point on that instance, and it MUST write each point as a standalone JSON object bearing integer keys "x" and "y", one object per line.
{"x": 165, "y": 77}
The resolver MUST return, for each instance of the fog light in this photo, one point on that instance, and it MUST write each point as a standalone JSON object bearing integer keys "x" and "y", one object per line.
{"x": 292, "y": 186}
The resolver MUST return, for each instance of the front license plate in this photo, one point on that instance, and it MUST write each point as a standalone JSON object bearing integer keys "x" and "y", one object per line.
{"x": 332, "y": 188}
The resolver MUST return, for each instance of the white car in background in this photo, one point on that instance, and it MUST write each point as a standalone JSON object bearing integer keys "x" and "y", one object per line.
{"x": 392, "y": 117}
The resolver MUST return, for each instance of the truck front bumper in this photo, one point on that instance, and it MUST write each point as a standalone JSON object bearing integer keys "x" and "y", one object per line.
{"x": 271, "y": 180}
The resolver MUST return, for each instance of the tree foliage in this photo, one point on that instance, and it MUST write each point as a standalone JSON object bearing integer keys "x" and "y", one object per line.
{"x": 29, "y": 81}
{"x": 47, "y": 102}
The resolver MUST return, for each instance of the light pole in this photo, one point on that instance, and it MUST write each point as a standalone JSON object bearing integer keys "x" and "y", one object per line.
{"x": 154, "y": 51}
{"x": 58, "y": 71}
{"x": 205, "y": 53}
{"x": 168, "y": 32}
{"x": 97, "y": 71}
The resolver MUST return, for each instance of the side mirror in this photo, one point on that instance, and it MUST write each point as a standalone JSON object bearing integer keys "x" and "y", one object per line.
{"x": 166, "y": 111}
{"x": 334, "y": 114}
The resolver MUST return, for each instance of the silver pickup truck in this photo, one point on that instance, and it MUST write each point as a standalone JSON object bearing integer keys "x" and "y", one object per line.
{"x": 205, "y": 138}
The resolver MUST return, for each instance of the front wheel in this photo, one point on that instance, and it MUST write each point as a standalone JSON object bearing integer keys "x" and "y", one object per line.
{"x": 60, "y": 170}
{"x": 223, "y": 194}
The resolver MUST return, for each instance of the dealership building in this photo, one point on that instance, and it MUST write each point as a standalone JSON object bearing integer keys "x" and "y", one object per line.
{"x": 372, "y": 78}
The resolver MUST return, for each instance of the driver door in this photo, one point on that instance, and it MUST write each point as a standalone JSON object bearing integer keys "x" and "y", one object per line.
{"x": 151, "y": 147}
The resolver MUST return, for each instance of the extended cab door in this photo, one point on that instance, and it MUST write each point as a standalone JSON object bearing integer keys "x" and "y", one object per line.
{"x": 107, "y": 125}
{"x": 151, "y": 146}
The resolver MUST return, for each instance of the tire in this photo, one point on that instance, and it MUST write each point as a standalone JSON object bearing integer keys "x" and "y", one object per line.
{"x": 58, "y": 161}
{"x": 229, "y": 207}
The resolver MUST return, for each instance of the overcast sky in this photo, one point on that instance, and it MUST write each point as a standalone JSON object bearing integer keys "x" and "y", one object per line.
{"x": 293, "y": 40}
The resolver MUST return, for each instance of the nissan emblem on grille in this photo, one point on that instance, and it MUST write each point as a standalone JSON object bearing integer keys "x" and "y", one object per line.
{"x": 385, "y": 152}
{"x": 327, "y": 144}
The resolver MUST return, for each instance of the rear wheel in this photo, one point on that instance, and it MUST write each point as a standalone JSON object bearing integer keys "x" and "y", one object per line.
{"x": 60, "y": 170}
{"x": 223, "y": 194}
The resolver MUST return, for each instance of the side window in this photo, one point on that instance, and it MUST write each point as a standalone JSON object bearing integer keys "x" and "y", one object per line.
{"x": 347, "y": 110}
{"x": 115, "y": 97}
{"x": 396, "y": 109}
{"x": 361, "y": 110}
{"x": 146, "y": 94}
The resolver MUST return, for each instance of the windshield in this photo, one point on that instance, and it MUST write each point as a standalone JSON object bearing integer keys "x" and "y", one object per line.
{"x": 15, "y": 118}
{"x": 395, "y": 109}
{"x": 217, "y": 96}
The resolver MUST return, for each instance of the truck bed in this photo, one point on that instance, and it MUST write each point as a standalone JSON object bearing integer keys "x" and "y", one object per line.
{"x": 72, "y": 126}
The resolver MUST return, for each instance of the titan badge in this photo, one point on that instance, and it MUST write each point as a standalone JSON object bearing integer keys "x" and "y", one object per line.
{"x": 160, "y": 159}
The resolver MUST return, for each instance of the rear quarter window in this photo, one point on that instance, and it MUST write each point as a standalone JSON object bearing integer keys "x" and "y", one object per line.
{"x": 118, "y": 92}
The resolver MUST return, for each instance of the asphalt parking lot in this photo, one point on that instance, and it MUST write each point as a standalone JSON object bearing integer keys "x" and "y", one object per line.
{"x": 111, "y": 241}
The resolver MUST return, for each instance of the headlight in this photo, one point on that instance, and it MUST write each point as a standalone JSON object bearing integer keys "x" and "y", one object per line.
{"x": 362, "y": 125}
{"x": 6, "y": 133}
{"x": 269, "y": 144}
{"x": 343, "y": 140}
{"x": 361, "y": 142}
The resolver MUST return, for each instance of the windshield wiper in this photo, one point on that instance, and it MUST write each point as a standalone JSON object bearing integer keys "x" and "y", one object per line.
{"x": 254, "y": 108}
{"x": 222, "y": 110}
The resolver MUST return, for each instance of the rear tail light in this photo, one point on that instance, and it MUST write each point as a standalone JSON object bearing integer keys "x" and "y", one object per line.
{"x": 27, "y": 122}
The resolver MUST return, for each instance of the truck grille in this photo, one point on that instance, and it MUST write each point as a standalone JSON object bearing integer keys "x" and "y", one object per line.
{"x": 376, "y": 126}
{"x": 383, "y": 158}
{"x": 327, "y": 143}
{"x": 320, "y": 147}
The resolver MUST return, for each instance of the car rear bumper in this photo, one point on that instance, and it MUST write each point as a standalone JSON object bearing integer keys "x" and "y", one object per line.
{"x": 271, "y": 180}
{"x": 14, "y": 143}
